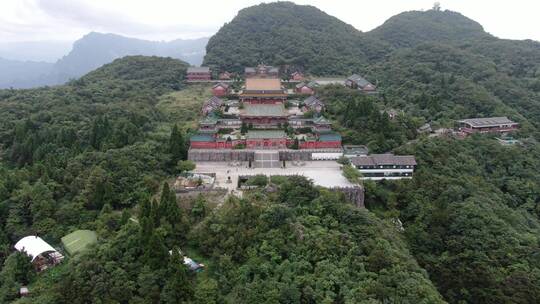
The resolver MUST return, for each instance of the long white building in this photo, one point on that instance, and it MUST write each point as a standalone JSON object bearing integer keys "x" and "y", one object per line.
{"x": 385, "y": 166}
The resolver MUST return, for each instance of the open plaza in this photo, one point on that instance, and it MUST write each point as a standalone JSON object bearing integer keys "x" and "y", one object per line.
{"x": 323, "y": 173}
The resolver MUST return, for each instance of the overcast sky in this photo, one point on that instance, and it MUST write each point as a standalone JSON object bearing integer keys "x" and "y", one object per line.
{"x": 34, "y": 20}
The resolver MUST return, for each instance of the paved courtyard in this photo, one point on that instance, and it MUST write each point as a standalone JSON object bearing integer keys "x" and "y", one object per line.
{"x": 323, "y": 173}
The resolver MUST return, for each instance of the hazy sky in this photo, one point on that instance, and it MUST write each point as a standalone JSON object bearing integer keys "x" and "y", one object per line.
{"x": 32, "y": 20}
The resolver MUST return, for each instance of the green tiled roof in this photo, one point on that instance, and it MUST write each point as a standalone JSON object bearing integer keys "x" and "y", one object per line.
{"x": 202, "y": 137}
{"x": 330, "y": 137}
{"x": 264, "y": 110}
{"x": 209, "y": 120}
{"x": 321, "y": 120}
{"x": 263, "y": 134}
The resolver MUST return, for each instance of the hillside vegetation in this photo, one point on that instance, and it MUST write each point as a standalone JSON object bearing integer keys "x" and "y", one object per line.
{"x": 283, "y": 33}
{"x": 96, "y": 154}
{"x": 92, "y": 155}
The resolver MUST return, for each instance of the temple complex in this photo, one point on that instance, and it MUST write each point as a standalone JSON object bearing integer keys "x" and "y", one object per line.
{"x": 260, "y": 116}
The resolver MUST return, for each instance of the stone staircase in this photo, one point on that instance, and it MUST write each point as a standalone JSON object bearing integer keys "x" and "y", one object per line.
{"x": 266, "y": 159}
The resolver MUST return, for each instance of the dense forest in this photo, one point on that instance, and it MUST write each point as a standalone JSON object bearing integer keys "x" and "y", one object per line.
{"x": 98, "y": 152}
{"x": 285, "y": 34}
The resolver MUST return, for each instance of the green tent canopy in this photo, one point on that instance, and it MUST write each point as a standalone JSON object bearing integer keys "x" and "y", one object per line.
{"x": 78, "y": 241}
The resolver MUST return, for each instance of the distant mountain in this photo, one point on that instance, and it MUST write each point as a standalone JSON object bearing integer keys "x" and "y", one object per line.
{"x": 94, "y": 50}
{"x": 13, "y": 72}
{"x": 284, "y": 33}
{"x": 47, "y": 51}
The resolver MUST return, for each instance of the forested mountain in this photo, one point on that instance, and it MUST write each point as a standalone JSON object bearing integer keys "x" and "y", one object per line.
{"x": 412, "y": 28}
{"x": 287, "y": 34}
{"x": 94, "y": 50}
{"x": 92, "y": 154}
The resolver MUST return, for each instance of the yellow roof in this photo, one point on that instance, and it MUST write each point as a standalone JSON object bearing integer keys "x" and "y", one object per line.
{"x": 263, "y": 84}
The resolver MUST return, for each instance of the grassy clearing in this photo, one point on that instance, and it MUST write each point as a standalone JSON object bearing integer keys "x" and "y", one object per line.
{"x": 184, "y": 107}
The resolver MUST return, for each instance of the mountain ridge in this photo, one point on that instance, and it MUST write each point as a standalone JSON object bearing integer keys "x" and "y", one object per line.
{"x": 96, "y": 49}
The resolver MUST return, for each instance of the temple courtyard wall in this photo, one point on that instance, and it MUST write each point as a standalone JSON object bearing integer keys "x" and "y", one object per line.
{"x": 216, "y": 155}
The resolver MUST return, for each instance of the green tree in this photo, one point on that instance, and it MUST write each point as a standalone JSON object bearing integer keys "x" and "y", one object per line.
{"x": 185, "y": 165}
{"x": 206, "y": 292}
{"x": 177, "y": 145}
{"x": 178, "y": 287}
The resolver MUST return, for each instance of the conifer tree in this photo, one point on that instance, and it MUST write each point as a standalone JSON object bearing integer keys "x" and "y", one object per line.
{"x": 155, "y": 252}
{"x": 155, "y": 213}
{"x": 145, "y": 209}
{"x": 177, "y": 145}
{"x": 146, "y": 230}
{"x": 178, "y": 288}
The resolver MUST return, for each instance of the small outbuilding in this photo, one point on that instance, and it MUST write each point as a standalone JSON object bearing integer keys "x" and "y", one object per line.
{"x": 225, "y": 76}
{"x": 297, "y": 76}
{"x": 220, "y": 89}
{"x": 304, "y": 88}
{"x": 350, "y": 151}
{"x": 43, "y": 255}
{"x": 78, "y": 241}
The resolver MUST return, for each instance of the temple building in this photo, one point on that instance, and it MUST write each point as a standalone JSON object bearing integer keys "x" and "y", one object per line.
{"x": 264, "y": 114}
{"x": 322, "y": 141}
{"x": 385, "y": 166}
{"x": 267, "y": 139}
{"x": 487, "y": 125}
{"x": 261, "y": 71}
{"x": 304, "y": 88}
{"x": 220, "y": 89}
{"x": 211, "y": 105}
{"x": 225, "y": 76}
{"x": 358, "y": 82}
{"x": 297, "y": 76}
{"x": 198, "y": 73}
{"x": 263, "y": 90}
{"x": 312, "y": 103}
{"x": 261, "y": 118}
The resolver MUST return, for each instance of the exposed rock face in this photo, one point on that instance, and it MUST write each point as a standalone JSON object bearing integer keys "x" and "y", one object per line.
{"x": 354, "y": 194}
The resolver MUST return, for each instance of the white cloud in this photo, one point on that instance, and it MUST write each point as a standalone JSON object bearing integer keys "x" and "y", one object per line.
{"x": 31, "y": 20}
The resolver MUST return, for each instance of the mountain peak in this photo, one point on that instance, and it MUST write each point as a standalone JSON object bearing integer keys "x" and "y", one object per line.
{"x": 414, "y": 27}
{"x": 286, "y": 34}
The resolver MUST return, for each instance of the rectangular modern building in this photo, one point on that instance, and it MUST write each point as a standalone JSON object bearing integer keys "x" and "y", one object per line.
{"x": 487, "y": 125}
{"x": 385, "y": 166}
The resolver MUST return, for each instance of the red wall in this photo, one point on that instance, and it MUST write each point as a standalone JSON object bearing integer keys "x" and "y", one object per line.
{"x": 198, "y": 76}
{"x": 266, "y": 143}
{"x": 203, "y": 145}
{"x": 252, "y": 143}
{"x": 319, "y": 144}
{"x": 263, "y": 101}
